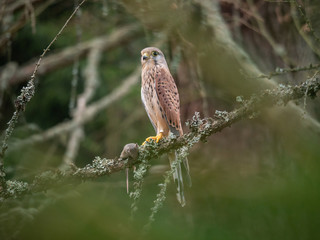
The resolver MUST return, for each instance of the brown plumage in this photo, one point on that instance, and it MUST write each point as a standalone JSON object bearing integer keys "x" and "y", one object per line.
{"x": 160, "y": 97}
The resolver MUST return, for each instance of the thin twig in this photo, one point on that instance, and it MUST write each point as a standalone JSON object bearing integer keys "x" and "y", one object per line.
{"x": 295, "y": 6}
{"x": 307, "y": 21}
{"x": 54, "y": 61}
{"x": 277, "y": 48}
{"x": 91, "y": 111}
{"x": 281, "y": 71}
{"x": 24, "y": 97}
{"x": 6, "y": 36}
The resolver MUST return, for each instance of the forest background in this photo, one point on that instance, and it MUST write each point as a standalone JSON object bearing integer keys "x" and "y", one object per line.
{"x": 255, "y": 175}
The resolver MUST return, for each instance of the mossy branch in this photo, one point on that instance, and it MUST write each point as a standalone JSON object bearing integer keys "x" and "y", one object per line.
{"x": 200, "y": 130}
{"x": 22, "y": 100}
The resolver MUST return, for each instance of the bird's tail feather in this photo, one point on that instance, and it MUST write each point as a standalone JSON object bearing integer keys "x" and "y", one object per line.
{"x": 178, "y": 179}
{"x": 186, "y": 166}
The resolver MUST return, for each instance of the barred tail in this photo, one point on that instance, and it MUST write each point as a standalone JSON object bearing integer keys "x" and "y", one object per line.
{"x": 186, "y": 166}
{"x": 177, "y": 176}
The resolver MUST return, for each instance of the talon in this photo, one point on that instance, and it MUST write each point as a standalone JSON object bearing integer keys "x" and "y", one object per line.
{"x": 154, "y": 138}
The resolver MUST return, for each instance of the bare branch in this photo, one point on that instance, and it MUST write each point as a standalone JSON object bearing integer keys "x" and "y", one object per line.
{"x": 307, "y": 21}
{"x": 15, "y": 27}
{"x": 24, "y": 97}
{"x": 239, "y": 58}
{"x": 295, "y": 6}
{"x": 277, "y": 48}
{"x": 69, "y": 55}
{"x": 76, "y": 63}
{"x": 281, "y": 71}
{"x": 91, "y": 76}
{"x": 91, "y": 111}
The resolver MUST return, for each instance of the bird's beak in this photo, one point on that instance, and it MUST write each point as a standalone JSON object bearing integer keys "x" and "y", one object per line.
{"x": 145, "y": 56}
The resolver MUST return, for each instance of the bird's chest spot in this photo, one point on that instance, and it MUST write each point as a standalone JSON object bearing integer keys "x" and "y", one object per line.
{"x": 148, "y": 88}
{"x": 149, "y": 92}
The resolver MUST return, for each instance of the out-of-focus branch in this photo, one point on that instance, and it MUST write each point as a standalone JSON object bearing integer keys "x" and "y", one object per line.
{"x": 91, "y": 83}
{"x": 21, "y": 102}
{"x": 76, "y": 63}
{"x": 281, "y": 71}
{"x": 296, "y": 7}
{"x": 68, "y": 56}
{"x": 90, "y": 112}
{"x": 277, "y": 48}
{"x": 13, "y": 6}
{"x": 201, "y": 129}
{"x": 22, "y": 20}
{"x": 5, "y": 75}
{"x": 224, "y": 39}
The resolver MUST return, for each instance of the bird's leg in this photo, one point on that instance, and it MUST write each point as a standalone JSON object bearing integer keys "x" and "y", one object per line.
{"x": 155, "y": 138}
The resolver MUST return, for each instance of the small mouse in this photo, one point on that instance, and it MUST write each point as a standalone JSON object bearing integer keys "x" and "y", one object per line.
{"x": 130, "y": 151}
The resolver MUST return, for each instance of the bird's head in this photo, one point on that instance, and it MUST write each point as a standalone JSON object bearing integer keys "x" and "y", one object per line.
{"x": 153, "y": 56}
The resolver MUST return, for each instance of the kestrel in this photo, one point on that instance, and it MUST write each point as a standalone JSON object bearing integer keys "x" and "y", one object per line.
{"x": 160, "y": 97}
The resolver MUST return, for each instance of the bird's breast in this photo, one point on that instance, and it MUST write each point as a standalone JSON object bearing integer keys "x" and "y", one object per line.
{"x": 151, "y": 102}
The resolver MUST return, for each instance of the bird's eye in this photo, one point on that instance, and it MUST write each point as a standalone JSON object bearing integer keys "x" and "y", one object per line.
{"x": 154, "y": 53}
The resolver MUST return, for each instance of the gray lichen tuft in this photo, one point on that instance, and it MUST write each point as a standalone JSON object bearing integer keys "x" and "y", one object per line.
{"x": 222, "y": 115}
{"x": 16, "y": 188}
{"x": 195, "y": 123}
{"x": 25, "y": 96}
{"x": 182, "y": 153}
{"x": 139, "y": 175}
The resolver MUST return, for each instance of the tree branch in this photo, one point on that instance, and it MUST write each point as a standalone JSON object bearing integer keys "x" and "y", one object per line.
{"x": 68, "y": 56}
{"x": 200, "y": 130}
{"x": 22, "y": 100}
{"x": 91, "y": 111}
{"x": 6, "y": 36}
{"x": 91, "y": 84}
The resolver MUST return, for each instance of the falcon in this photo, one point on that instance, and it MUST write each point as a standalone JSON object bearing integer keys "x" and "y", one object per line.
{"x": 161, "y": 101}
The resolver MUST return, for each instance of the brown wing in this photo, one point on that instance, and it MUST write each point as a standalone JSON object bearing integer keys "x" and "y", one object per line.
{"x": 169, "y": 99}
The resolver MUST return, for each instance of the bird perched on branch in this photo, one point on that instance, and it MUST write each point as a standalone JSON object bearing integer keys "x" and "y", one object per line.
{"x": 160, "y": 97}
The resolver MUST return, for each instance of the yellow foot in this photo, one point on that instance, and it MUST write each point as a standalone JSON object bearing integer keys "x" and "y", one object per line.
{"x": 155, "y": 138}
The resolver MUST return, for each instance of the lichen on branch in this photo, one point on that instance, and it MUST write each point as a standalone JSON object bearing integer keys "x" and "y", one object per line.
{"x": 200, "y": 130}
{"x": 25, "y": 96}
